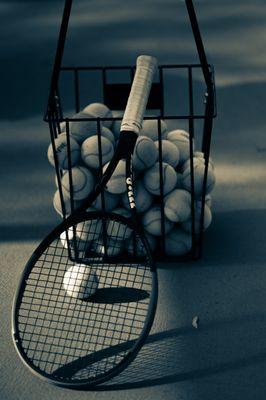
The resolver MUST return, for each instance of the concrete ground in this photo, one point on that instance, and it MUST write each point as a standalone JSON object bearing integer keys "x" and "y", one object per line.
{"x": 225, "y": 358}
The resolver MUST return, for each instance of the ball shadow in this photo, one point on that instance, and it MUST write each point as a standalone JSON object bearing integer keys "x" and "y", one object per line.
{"x": 117, "y": 295}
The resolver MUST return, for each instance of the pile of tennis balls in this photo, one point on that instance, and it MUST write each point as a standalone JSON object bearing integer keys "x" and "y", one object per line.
{"x": 175, "y": 169}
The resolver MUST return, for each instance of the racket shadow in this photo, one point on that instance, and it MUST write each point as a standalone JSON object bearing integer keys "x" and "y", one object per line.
{"x": 183, "y": 354}
{"x": 187, "y": 354}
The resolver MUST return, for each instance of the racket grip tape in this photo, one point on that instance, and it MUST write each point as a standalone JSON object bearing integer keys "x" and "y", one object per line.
{"x": 139, "y": 94}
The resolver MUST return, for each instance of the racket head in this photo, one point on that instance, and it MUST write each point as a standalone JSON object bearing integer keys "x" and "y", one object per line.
{"x": 76, "y": 342}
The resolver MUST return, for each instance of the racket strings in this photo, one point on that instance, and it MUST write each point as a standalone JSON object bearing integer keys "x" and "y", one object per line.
{"x": 36, "y": 308}
{"x": 78, "y": 339}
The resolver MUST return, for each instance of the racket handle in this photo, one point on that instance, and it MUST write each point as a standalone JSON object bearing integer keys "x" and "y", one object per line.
{"x": 139, "y": 94}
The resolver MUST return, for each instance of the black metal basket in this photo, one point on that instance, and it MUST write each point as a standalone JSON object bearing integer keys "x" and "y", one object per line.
{"x": 181, "y": 94}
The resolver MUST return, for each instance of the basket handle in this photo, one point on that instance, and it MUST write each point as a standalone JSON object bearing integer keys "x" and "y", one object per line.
{"x": 62, "y": 39}
{"x": 199, "y": 44}
{"x": 58, "y": 56}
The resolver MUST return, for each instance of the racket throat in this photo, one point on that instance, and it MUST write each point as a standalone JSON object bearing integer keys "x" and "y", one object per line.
{"x": 126, "y": 144}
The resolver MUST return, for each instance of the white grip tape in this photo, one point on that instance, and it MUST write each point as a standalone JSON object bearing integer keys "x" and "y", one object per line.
{"x": 139, "y": 94}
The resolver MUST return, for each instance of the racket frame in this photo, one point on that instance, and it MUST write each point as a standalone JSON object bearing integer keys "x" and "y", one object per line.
{"x": 139, "y": 342}
{"x": 124, "y": 151}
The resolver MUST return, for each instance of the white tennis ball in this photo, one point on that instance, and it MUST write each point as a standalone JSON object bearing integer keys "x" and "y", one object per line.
{"x": 196, "y": 159}
{"x": 177, "y": 242}
{"x": 83, "y": 183}
{"x": 117, "y": 182}
{"x": 105, "y": 132}
{"x": 198, "y": 169}
{"x": 90, "y": 151}
{"x": 67, "y": 240}
{"x": 62, "y": 126}
{"x": 58, "y": 206}
{"x": 152, "y": 221}
{"x": 135, "y": 246}
{"x": 180, "y": 139}
{"x": 199, "y": 154}
{"x": 99, "y": 110}
{"x": 110, "y": 201}
{"x": 117, "y": 229}
{"x": 80, "y": 281}
{"x": 113, "y": 247}
{"x": 170, "y": 152}
{"x": 208, "y": 201}
{"x": 81, "y": 130}
{"x": 67, "y": 236}
{"x": 151, "y": 179}
{"x": 150, "y": 129}
{"x": 187, "y": 225}
{"x": 143, "y": 198}
{"x": 116, "y": 126}
{"x": 145, "y": 153}
{"x": 62, "y": 153}
{"x": 177, "y": 206}
{"x": 89, "y": 230}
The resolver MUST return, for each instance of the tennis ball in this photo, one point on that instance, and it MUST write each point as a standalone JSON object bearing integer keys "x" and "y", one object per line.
{"x": 177, "y": 242}
{"x": 199, "y": 154}
{"x": 135, "y": 246}
{"x": 55, "y": 177}
{"x": 177, "y": 205}
{"x": 63, "y": 237}
{"x": 150, "y": 129}
{"x": 116, "y": 126}
{"x": 152, "y": 221}
{"x": 80, "y": 281}
{"x": 143, "y": 198}
{"x": 57, "y": 203}
{"x": 208, "y": 201}
{"x": 170, "y": 152}
{"x": 117, "y": 182}
{"x": 197, "y": 159}
{"x": 62, "y": 153}
{"x": 81, "y": 130}
{"x": 90, "y": 229}
{"x": 81, "y": 244}
{"x": 180, "y": 139}
{"x": 151, "y": 178}
{"x": 99, "y": 110}
{"x": 199, "y": 168}
{"x": 105, "y": 132}
{"x": 145, "y": 153}
{"x": 82, "y": 180}
{"x": 62, "y": 126}
{"x": 187, "y": 225}
{"x": 116, "y": 229}
{"x": 113, "y": 247}
{"x": 110, "y": 201}
{"x": 90, "y": 151}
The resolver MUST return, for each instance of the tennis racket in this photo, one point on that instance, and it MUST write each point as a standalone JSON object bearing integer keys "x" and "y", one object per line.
{"x": 84, "y": 307}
